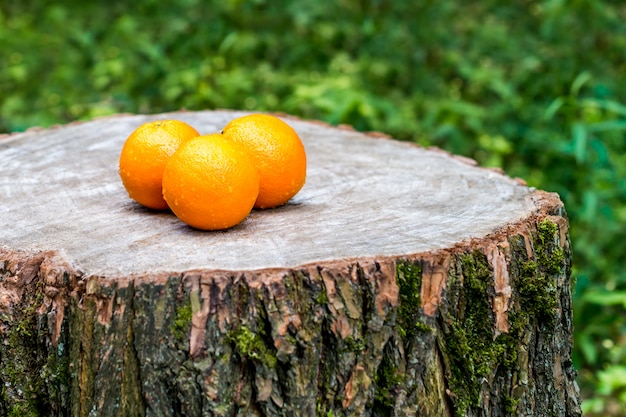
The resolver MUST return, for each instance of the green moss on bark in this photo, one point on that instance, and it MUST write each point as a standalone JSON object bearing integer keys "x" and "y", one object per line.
{"x": 510, "y": 404}
{"x": 537, "y": 292}
{"x": 353, "y": 345}
{"x": 322, "y": 296}
{"x": 250, "y": 346}
{"x": 23, "y": 358}
{"x": 182, "y": 322}
{"x": 535, "y": 281}
{"x": 550, "y": 254}
{"x": 471, "y": 350}
{"x": 388, "y": 380}
{"x": 409, "y": 280}
{"x": 22, "y": 410}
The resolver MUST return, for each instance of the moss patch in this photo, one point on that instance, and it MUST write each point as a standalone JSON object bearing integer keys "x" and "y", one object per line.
{"x": 409, "y": 280}
{"x": 550, "y": 255}
{"x": 249, "y": 345}
{"x": 182, "y": 322}
{"x": 535, "y": 281}
{"x": 22, "y": 410}
{"x": 472, "y": 352}
{"x": 537, "y": 292}
{"x": 322, "y": 297}
{"x": 387, "y": 380}
{"x": 510, "y": 404}
{"x": 354, "y": 345}
{"x": 23, "y": 359}
{"x": 57, "y": 371}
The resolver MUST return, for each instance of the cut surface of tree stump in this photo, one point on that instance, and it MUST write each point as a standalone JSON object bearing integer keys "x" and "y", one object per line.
{"x": 400, "y": 281}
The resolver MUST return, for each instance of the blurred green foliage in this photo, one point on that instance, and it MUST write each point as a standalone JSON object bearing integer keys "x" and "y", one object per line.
{"x": 535, "y": 87}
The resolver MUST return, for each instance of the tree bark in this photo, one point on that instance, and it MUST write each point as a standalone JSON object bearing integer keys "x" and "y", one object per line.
{"x": 401, "y": 281}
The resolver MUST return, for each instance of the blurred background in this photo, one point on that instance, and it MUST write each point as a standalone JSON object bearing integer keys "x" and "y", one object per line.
{"x": 535, "y": 87}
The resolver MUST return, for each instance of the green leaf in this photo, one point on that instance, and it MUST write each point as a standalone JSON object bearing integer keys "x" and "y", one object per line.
{"x": 608, "y": 126}
{"x": 553, "y": 108}
{"x": 579, "y": 135}
{"x": 604, "y": 298}
{"x": 588, "y": 347}
{"x": 610, "y": 105}
{"x": 612, "y": 379}
{"x": 582, "y": 79}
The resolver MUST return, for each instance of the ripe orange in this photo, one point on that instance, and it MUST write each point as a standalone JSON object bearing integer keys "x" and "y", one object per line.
{"x": 278, "y": 154}
{"x": 210, "y": 183}
{"x": 144, "y": 155}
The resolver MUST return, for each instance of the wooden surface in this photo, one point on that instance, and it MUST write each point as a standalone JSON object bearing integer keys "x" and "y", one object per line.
{"x": 399, "y": 282}
{"x": 364, "y": 197}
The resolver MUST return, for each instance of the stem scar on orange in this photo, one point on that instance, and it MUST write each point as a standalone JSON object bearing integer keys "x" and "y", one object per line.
{"x": 278, "y": 153}
{"x": 210, "y": 183}
{"x": 144, "y": 155}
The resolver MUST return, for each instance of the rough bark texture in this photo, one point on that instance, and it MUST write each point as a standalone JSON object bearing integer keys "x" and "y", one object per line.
{"x": 482, "y": 327}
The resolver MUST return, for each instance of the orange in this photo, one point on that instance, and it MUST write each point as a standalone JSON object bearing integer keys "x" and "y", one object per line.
{"x": 210, "y": 183}
{"x": 144, "y": 155}
{"x": 278, "y": 154}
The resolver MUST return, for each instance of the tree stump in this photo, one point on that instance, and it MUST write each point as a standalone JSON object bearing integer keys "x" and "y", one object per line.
{"x": 401, "y": 281}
